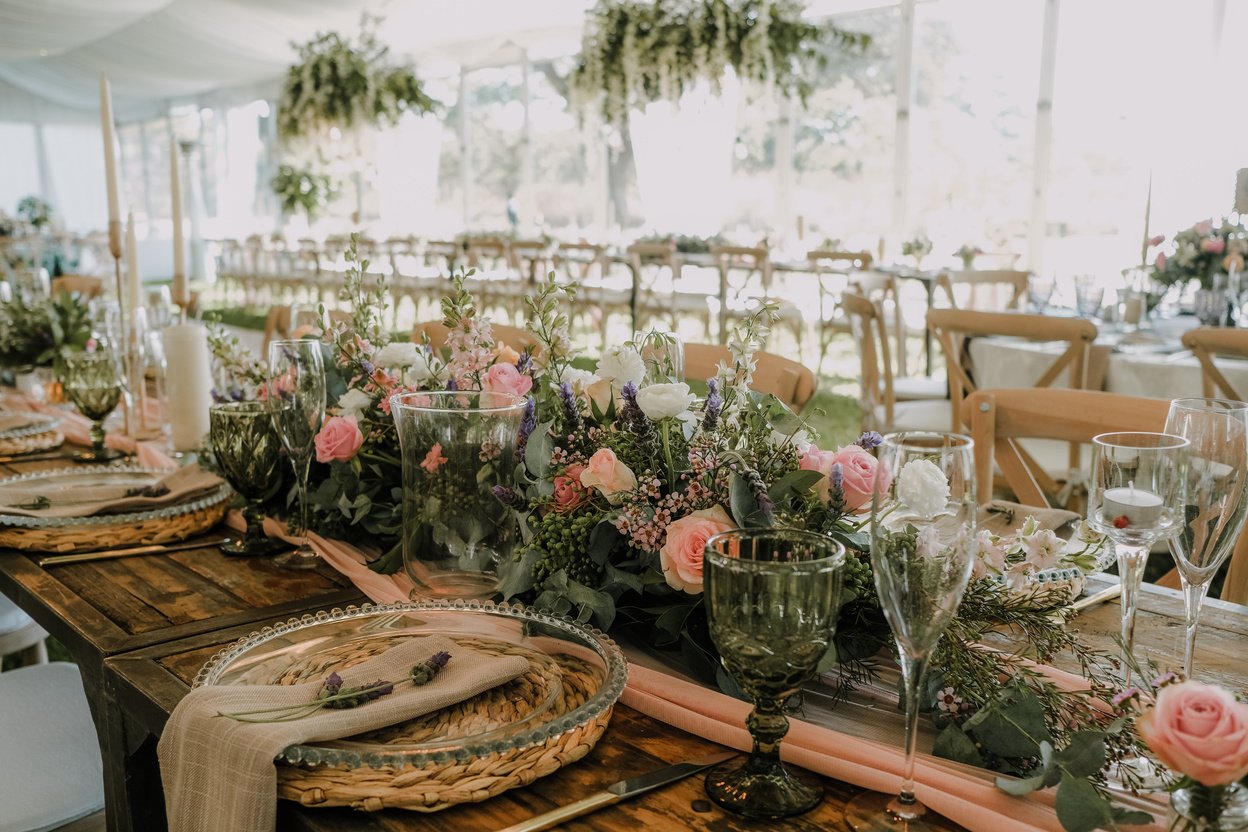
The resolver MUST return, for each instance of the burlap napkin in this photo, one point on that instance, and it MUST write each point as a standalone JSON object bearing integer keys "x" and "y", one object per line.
{"x": 180, "y": 486}
{"x": 218, "y": 772}
{"x": 1001, "y": 517}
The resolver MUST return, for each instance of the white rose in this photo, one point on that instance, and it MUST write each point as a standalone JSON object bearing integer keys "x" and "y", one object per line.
{"x": 620, "y": 365}
{"x": 923, "y": 488}
{"x": 579, "y": 380}
{"x": 398, "y": 354}
{"x": 664, "y": 401}
{"x": 419, "y": 370}
{"x": 354, "y": 402}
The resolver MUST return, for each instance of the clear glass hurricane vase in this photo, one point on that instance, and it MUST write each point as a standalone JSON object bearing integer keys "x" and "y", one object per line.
{"x": 1215, "y": 503}
{"x": 459, "y": 455}
{"x": 922, "y": 548}
{"x": 296, "y": 398}
{"x": 1134, "y": 497}
{"x": 1209, "y": 809}
{"x": 772, "y": 598}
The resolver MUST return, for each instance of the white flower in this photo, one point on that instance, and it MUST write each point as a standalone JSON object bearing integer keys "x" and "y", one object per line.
{"x": 922, "y": 487}
{"x": 927, "y": 543}
{"x": 1018, "y": 575}
{"x": 398, "y": 354}
{"x": 579, "y": 380}
{"x": 354, "y": 402}
{"x": 1044, "y": 549}
{"x": 989, "y": 554}
{"x": 799, "y": 439}
{"x": 419, "y": 370}
{"x": 664, "y": 401}
{"x": 620, "y": 365}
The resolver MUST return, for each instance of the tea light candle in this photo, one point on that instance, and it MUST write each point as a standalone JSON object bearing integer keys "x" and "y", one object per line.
{"x": 189, "y": 383}
{"x": 1141, "y": 508}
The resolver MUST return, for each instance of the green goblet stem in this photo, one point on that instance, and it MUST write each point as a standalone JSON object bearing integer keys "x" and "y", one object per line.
{"x": 97, "y": 437}
{"x": 767, "y": 725}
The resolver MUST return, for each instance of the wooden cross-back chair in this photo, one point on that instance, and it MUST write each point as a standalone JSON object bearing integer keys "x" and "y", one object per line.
{"x": 877, "y": 398}
{"x": 792, "y": 383}
{"x": 601, "y": 293}
{"x": 657, "y": 280}
{"x": 1014, "y": 282}
{"x": 840, "y": 263}
{"x": 78, "y": 284}
{"x": 515, "y": 337}
{"x": 531, "y": 259}
{"x": 1208, "y": 341}
{"x": 745, "y": 279}
{"x": 1000, "y": 419}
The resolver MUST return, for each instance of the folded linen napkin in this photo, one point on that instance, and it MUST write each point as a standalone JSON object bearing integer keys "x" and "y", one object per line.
{"x": 13, "y": 421}
{"x": 1001, "y": 517}
{"x": 218, "y": 772}
{"x": 177, "y": 487}
{"x": 77, "y": 430}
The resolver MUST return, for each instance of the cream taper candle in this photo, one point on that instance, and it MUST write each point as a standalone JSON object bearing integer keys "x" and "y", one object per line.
{"x": 180, "y": 294}
{"x": 110, "y": 160}
{"x": 134, "y": 284}
{"x": 189, "y": 382}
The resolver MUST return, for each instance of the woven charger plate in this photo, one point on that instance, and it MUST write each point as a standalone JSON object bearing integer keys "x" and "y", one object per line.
{"x": 30, "y": 443}
{"x": 506, "y": 737}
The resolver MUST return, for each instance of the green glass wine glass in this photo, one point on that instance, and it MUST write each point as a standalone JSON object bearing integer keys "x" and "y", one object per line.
{"x": 248, "y": 452}
{"x": 93, "y": 382}
{"x": 772, "y": 598}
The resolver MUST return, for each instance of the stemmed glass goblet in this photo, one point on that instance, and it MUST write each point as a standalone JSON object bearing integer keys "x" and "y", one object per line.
{"x": 93, "y": 382}
{"x": 296, "y": 398}
{"x": 922, "y": 549}
{"x": 1215, "y": 503}
{"x": 772, "y": 600}
{"x": 249, "y": 455}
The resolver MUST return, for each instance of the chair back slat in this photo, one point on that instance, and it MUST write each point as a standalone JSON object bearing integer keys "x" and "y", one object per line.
{"x": 1207, "y": 342}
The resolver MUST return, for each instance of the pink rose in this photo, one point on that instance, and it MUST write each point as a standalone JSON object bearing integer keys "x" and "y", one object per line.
{"x": 339, "y": 439}
{"x": 1214, "y": 245}
{"x": 569, "y": 493}
{"x": 1161, "y": 260}
{"x": 1203, "y": 228}
{"x": 859, "y": 471}
{"x": 610, "y": 476}
{"x": 682, "y": 554}
{"x": 505, "y": 378}
{"x": 434, "y": 459}
{"x": 1198, "y": 730}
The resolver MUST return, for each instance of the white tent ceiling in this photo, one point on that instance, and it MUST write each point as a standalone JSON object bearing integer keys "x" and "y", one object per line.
{"x": 160, "y": 52}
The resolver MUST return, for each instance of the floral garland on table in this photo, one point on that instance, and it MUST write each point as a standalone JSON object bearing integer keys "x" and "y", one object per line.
{"x": 635, "y": 52}
{"x": 340, "y": 83}
{"x": 1201, "y": 253}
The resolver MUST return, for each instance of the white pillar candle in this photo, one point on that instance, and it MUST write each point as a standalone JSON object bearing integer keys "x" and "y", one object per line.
{"x": 180, "y": 294}
{"x": 1140, "y": 508}
{"x": 189, "y": 383}
{"x": 110, "y": 157}
{"x": 134, "y": 285}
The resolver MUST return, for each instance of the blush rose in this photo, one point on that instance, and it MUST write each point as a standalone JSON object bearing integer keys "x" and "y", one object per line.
{"x": 610, "y": 476}
{"x": 505, "y": 378}
{"x": 569, "y": 493}
{"x": 1199, "y": 730}
{"x": 860, "y": 473}
{"x": 339, "y": 439}
{"x": 682, "y": 554}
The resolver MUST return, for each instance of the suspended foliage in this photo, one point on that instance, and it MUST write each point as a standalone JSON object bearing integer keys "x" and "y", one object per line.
{"x": 344, "y": 84}
{"x": 303, "y": 189}
{"x": 637, "y": 52}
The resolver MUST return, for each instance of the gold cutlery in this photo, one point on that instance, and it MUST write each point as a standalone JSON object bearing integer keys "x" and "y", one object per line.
{"x": 1107, "y": 594}
{"x": 130, "y": 551}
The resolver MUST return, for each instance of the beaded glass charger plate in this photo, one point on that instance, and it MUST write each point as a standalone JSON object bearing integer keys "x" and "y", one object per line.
{"x": 506, "y": 737}
{"x": 67, "y": 534}
{"x": 33, "y": 423}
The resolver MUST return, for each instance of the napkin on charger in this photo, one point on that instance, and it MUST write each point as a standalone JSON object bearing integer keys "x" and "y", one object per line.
{"x": 219, "y": 773}
{"x": 179, "y": 486}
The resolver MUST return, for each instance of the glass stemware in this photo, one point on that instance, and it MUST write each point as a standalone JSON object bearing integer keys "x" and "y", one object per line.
{"x": 922, "y": 548}
{"x": 1134, "y": 498}
{"x": 1215, "y": 505}
{"x": 1089, "y": 294}
{"x": 664, "y": 355}
{"x": 296, "y": 398}
{"x": 772, "y": 600}
{"x": 248, "y": 453}
{"x": 93, "y": 382}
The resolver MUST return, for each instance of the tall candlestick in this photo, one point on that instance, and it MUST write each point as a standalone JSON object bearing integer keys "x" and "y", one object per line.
{"x": 110, "y": 167}
{"x": 133, "y": 282}
{"x": 180, "y": 295}
{"x": 1148, "y": 216}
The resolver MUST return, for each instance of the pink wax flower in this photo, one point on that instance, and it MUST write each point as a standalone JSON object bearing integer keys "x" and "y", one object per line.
{"x": 1161, "y": 260}
{"x": 339, "y": 439}
{"x": 434, "y": 459}
{"x": 505, "y": 378}
{"x": 685, "y": 548}
{"x": 1157, "y": 240}
{"x": 1199, "y": 730}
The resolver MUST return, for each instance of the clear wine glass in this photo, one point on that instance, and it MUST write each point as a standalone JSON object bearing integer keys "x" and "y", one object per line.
{"x": 1134, "y": 498}
{"x": 772, "y": 598}
{"x": 1215, "y": 505}
{"x": 922, "y": 548}
{"x": 296, "y": 398}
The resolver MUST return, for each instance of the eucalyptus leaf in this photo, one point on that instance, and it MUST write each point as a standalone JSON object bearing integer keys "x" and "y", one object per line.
{"x": 953, "y": 744}
{"x": 537, "y": 450}
{"x": 1080, "y": 808}
{"x": 1084, "y": 754}
{"x": 1011, "y": 726}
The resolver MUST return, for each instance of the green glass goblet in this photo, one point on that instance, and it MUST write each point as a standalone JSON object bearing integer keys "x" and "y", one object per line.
{"x": 92, "y": 381}
{"x": 772, "y": 599}
{"x": 249, "y": 455}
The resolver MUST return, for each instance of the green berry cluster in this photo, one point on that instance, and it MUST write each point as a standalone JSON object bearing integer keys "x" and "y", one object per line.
{"x": 562, "y": 541}
{"x": 856, "y": 577}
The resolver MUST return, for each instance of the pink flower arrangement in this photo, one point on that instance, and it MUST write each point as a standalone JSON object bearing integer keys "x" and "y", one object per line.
{"x": 1198, "y": 730}
{"x": 859, "y": 473}
{"x": 569, "y": 493}
{"x": 606, "y": 473}
{"x": 339, "y": 439}
{"x": 505, "y": 378}
{"x": 682, "y": 555}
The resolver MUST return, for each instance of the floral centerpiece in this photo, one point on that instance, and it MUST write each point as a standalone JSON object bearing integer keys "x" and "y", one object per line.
{"x": 635, "y": 52}
{"x": 917, "y": 247}
{"x": 1201, "y": 253}
{"x": 343, "y": 83}
{"x": 967, "y": 252}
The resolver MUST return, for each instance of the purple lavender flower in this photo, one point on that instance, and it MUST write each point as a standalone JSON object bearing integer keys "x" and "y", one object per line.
{"x": 333, "y": 684}
{"x": 367, "y": 366}
{"x": 527, "y": 425}
{"x": 714, "y": 404}
{"x": 524, "y": 363}
{"x": 424, "y": 673}
{"x": 870, "y": 439}
{"x": 631, "y": 412}
{"x": 836, "y": 488}
{"x": 837, "y": 476}
{"x": 440, "y": 658}
{"x": 571, "y": 411}
{"x": 452, "y": 384}
{"x": 236, "y": 394}
{"x": 506, "y": 496}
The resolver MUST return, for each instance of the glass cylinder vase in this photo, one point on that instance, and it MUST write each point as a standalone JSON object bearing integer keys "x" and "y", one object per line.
{"x": 1209, "y": 809}
{"x": 457, "y": 448}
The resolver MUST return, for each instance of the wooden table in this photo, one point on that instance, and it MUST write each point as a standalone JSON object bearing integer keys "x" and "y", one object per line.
{"x": 105, "y": 608}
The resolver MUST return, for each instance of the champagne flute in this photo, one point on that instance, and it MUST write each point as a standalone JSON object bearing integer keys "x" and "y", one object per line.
{"x": 1215, "y": 505}
{"x": 1134, "y": 498}
{"x": 93, "y": 382}
{"x": 296, "y": 399}
{"x": 922, "y": 549}
{"x": 772, "y": 600}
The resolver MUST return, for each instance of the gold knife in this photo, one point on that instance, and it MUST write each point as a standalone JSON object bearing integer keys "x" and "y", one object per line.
{"x": 110, "y": 554}
{"x": 1107, "y": 594}
{"x": 616, "y": 792}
